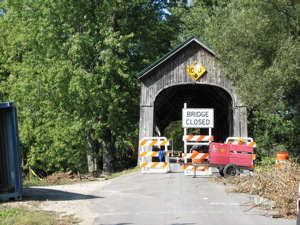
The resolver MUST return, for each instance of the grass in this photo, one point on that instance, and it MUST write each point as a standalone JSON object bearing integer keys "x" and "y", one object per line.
{"x": 34, "y": 182}
{"x": 37, "y": 182}
{"x": 117, "y": 174}
{"x": 25, "y": 216}
{"x": 61, "y": 178}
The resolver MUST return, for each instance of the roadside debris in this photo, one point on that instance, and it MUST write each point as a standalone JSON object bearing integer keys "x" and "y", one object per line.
{"x": 68, "y": 176}
{"x": 278, "y": 185}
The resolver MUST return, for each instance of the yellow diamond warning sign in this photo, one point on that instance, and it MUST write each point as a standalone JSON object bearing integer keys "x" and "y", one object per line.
{"x": 195, "y": 70}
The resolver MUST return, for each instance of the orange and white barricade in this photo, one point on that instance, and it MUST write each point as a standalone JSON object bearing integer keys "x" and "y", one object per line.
{"x": 200, "y": 166}
{"x": 147, "y": 166}
{"x": 198, "y": 138}
{"x": 196, "y": 168}
{"x": 241, "y": 141}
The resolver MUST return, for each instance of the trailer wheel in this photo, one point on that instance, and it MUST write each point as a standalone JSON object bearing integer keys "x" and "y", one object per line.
{"x": 230, "y": 170}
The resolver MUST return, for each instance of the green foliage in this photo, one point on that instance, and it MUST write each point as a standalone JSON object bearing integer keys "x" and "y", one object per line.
{"x": 70, "y": 68}
{"x": 267, "y": 162}
{"x": 257, "y": 43}
{"x": 196, "y": 18}
{"x": 174, "y": 132}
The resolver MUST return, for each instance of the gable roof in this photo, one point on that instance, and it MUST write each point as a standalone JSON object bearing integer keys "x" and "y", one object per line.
{"x": 158, "y": 62}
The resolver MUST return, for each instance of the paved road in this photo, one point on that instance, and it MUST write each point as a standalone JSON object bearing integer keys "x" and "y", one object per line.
{"x": 174, "y": 199}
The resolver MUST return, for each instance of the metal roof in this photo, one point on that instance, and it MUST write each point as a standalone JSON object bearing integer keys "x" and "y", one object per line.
{"x": 158, "y": 62}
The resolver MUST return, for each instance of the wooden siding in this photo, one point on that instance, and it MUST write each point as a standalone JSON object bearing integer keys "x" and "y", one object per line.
{"x": 173, "y": 72}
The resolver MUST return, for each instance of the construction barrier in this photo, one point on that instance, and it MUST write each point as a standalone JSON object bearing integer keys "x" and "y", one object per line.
{"x": 198, "y": 138}
{"x": 281, "y": 158}
{"x": 195, "y": 155}
{"x": 154, "y": 165}
{"x": 150, "y": 142}
{"x": 197, "y": 170}
{"x": 147, "y": 166}
{"x": 241, "y": 141}
{"x": 198, "y": 166}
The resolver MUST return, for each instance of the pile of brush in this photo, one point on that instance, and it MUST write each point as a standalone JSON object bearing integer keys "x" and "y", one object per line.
{"x": 278, "y": 184}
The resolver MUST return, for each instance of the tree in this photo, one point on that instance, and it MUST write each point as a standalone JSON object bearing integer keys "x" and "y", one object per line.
{"x": 195, "y": 17}
{"x": 70, "y": 67}
{"x": 258, "y": 44}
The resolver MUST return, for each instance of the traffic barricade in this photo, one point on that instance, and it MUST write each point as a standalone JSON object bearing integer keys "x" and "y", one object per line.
{"x": 199, "y": 165}
{"x": 241, "y": 141}
{"x": 196, "y": 167}
{"x": 154, "y": 148}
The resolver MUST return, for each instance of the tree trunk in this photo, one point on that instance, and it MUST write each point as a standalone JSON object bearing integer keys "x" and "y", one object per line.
{"x": 108, "y": 153}
{"x": 92, "y": 150}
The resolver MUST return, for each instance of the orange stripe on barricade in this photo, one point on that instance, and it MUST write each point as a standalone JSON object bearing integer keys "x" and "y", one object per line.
{"x": 201, "y": 137}
{"x": 198, "y": 138}
{"x": 143, "y": 142}
{"x": 204, "y": 156}
{"x": 143, "y": 154}
{"x": 196, "y": 168}
{"x": 144, "y": 164}
{"x": 194, "y": 155}
{"x": 154, "y": 154}
{"x": 252, "y": 144}
{"x": 164, "y": 142}
{"x": 151, "y": 154}
{"x": 190, "y": 137}
{"x": 154, "y": 164}
{"x": 165, "y": 165}
{"x": 153, "y": 143}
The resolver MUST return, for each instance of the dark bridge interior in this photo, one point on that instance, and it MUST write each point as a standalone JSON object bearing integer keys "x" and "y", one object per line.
{"x": 169, "y": 103}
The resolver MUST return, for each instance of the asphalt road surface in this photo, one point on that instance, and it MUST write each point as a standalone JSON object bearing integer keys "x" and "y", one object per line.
{"x": 175, "y": 199}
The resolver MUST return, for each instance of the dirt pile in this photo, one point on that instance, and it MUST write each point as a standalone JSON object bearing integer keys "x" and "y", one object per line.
{"x": 68, "y": 177}
{"x": 276, "y": 184}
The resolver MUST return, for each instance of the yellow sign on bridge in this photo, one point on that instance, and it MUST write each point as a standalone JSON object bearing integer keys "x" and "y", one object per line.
{"x": 195, "y": 70}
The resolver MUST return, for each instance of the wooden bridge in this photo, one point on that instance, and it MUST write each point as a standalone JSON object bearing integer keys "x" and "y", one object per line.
{"x": 190, "y": 73}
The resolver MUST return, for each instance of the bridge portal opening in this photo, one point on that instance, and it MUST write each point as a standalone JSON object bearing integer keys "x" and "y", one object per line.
{"x": 169, "y": 103}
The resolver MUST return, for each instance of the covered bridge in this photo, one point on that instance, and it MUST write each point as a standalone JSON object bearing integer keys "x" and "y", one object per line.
{"x": 189, "y": 74}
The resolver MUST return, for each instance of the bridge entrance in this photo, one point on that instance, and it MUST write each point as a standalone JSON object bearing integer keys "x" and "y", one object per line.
{"x": 169, "y": 103}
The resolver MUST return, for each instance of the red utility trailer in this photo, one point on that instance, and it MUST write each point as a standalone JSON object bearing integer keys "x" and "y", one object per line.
{"x": 232, "y": 156}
